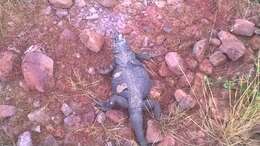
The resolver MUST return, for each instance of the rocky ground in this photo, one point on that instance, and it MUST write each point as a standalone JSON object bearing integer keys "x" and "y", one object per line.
{"x": 50, "y": 51}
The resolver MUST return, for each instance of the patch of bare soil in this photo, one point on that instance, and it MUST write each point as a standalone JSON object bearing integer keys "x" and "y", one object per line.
{"x": 76, "y": 37}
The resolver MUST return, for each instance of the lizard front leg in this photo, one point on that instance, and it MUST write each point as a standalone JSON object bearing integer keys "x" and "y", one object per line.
{"x": 114, "y": 100}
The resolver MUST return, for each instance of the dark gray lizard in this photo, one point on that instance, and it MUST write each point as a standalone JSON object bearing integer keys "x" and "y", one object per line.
{"x": 131, "y": 85}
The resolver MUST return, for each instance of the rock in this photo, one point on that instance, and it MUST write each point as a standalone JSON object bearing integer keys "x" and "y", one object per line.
{"x": 185, "y": 101}
{"x": 199, "y": 49}
{"x": 175, "y": 63}
{"x": 57, "y": 119}
{"x": 206, "y": 67}
{"x": 198, "y": 86}
{"x": 108, "y": 3}
{"x": 157, "y": 90}
{"x": 49, "y": 141}
{"x": 167, "y": 141}
{"x": 37, "y": 70}
{"x": 80, "y": 3}
{"x": 61, "y": 3}
{"x": 160, "y": 3}
{"x": 7, "y": 59}
{"x": 191, "y": 63}
{"x": 37, "y": 129}
{"x": 186, "y": 80}
{"x": 116, "y": 116}
{"x": 231, "y": 46}
{"x": 101, "y": 117}
{"x": 257, "y": 31}
{"x": 72, "y": 120}
{"x": 255, "y": 43}
{"x": 7, "y": 111}
{"x": 153, "y": 133}
{"x": 25, "y": 139}
{"x": 89, "y": 117}
{"x": 215, "y": 42}
{"x": 92, "y": 40}
{"x": 243, "y": 27}
{"x": 217, "y": 58}
{"x": 164, "y": 71}
{"x": 62, "y": 13}
{"x": 66, "y": 109}
{"x": 40, "y": 116}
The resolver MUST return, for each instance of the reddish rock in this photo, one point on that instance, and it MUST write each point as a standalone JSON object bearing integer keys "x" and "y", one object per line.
{"x": 164, "y": 71}
{"x": 215, "y": 42}
{"x": 186, "y": 80}
{"x": 243, "y": 27}
{"x": 206, "y": 67}
{"x": 157, "y": 89}
{"x": 231, "y": 46}
{"x": 7, "y": 111}
{"x": 7, "y": 59}
{"x": 160, "y": 39}
{"x": 198, "y": 85}
{"x": 199, "y": 49}
{"x": 61, "y": 3}
{"x": 37, "y": 70}
{"x": 153, "y": 133}
{"x": 88, "y": 117}
{"x": 191, "y": 63}
{"x": 184, "y": 100}
{"x": 175, "y": 63}
{"x": 92, "y": 40}
{"x": 116, "y": 116}
{"x": 255, "y": 43}
{"x": 217, "y": 58}
{"x": 40, "y": 116}
{"x": 167, "y": 141}
{"x": 80, "y": 3}
{"x": 108, "y": 3}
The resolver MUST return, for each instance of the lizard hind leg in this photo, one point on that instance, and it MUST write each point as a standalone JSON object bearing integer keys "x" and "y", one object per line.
{"x": 154, "y": 106}
{"x": 114, "y": 100}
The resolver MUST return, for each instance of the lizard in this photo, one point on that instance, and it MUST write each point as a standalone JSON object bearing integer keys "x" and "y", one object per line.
{"x": 131, "y": 85}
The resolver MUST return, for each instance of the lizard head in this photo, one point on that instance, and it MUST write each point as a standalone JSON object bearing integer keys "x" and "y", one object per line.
{"x": 121, "y": 50}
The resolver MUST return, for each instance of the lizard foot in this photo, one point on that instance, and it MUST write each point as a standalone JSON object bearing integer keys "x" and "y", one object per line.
{"x": 103, "y": 106}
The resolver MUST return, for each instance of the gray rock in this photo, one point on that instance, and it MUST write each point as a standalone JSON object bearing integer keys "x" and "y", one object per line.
{"x": 62, "y": 13}
{"x": 215, "y": 42}
{"x": 231, "y": 46}
{"x": 66, "y": 109}
{"x": 25, "y": 139}
{"x": 40, "y": 116}
{"x": 243, "y": 27}
{"x": 7, "y": 111}
{"x": 37, "y": 129}
{"x": 217, "y": 58}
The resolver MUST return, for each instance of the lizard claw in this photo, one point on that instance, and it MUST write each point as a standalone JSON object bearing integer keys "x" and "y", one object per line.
{"x": 102, "y": 105}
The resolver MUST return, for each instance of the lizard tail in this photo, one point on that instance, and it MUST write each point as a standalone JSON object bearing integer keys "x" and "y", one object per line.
{"x": 136, "y": 118}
